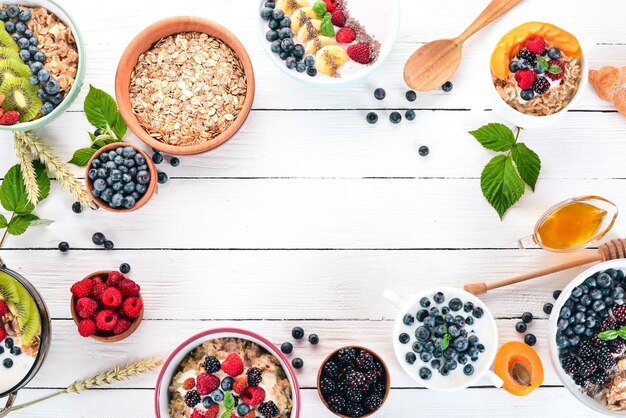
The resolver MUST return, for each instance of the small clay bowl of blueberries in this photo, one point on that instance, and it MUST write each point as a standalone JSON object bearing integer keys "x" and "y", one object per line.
{"x": 121, "y": 178}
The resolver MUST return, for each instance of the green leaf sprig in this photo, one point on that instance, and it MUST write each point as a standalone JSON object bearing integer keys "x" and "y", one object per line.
{"x": 503, "y": 178}
{"x": 445, "y": 342}
{"x": 229, "y": 404}
{"x": 319, "y": 7}
{"x": 612, "y": 334}
{"x": 14, "y": 199}
{"x": 103, "y": 114}
{"x": 327, "y": 27}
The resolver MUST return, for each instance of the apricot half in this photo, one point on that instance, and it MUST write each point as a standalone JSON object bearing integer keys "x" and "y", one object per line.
{"x": 519, "y": 366}
{"x": 513, "y": 42}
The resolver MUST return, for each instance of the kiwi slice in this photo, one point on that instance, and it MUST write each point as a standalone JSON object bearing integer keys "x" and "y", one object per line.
{"x": 33, "y": 326}
{"x": 13, "y": 68}
{"x": 8, "y": 53}
{"x": 24, "y": 306}
{"x": 6, "y": 41}
{"x": 8, "y": 288}
{"x": 20, "y": 95}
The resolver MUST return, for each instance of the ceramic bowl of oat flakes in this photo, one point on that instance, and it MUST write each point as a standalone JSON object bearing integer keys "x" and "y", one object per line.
{"x": 56, "y": 64}
{"x": 185, "y": 85}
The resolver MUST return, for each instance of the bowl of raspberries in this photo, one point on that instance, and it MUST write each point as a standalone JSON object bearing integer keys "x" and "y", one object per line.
{"x": 353, "y": 382}
{"x": 106, "y": 306}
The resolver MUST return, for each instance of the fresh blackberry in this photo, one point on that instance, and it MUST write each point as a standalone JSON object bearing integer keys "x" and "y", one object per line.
{"x": 344, "y": 372}
{"x": 378, "y": 389}
{"x": 587, "y": 368}
{"x": 609, "y": 323}
{"x": 541, "y": 85}
{"x": 354, "y": 395}
{"x": 337, "y": 404}
{"x": 192, "y": 398}
{"x": 346, "y": 355}
{"x": 600, "y": 378}
{"x": 331, "y": 369}
{"x": 586, "y": 350}
{"x": 268, "y": 409}
{"x": 527, "y": 56}
{"x": 619, "y": 312}
{"x": 597, "y": 342}
{"x": 604, "y": 359}
{"x": 373, "y": 402}
{"x": 354, "y": 410}
{"x": 328, "y": 386}
{"x": 570, "y": 364}
{"x": 365, "y": 361}
{"x": 212, "y": 364}
{"x": 356, "y": 379}
{"x": 255, "y": 375}
{"x": 373, "y": 375}
{"x": 617, "y": 346}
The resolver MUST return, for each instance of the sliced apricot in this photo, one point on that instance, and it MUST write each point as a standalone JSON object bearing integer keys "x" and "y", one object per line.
{"x": 519, "y": 366}
{"x": 513, "y": 42}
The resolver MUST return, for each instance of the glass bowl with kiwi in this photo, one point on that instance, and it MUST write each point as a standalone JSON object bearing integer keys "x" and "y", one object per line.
{"x": 40, "y": 76}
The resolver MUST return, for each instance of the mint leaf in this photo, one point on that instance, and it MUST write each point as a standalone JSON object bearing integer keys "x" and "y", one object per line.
{"x": 13, "y": 196}
{"x": 543, "y": 63}
{"x": 229, "y": 400}
{"x": 100, "y": 108}
{"x": 319, "y": 8}
{"x": 608, "y": 335}
{"x": 327, "y": 27}
{"x": 227, "y": 413}
{"x": 20, "y": 223}
{"x": 528, "y": 164}
{"x": 445, "y": 342}
{"x": 555, "y": 69}
{"x": 500, "y": 183}
{"x": 82, "y": 156}
{"x": 495, "y": 137}
{"x": 3, "y": 221}
{"x": 622, "y": 333}
{"x": 43, "y": 181}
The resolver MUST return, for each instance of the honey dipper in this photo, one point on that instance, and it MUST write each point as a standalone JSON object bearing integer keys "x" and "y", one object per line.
{"x": 611, "y": 250}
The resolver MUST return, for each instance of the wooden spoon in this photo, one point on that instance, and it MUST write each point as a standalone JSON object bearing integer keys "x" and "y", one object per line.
{"x": 611, "y": 250}
{"x": 436, "y": 62}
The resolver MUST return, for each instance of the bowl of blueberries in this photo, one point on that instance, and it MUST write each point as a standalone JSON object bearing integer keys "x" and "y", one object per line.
{"x": 121, "y": 178}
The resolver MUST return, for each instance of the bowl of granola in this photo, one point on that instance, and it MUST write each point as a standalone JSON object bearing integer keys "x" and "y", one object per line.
{"x": 185, "y": 85}
{"x": 42, "y": 63}
{"x": 224, "y": 372}
{"x": 538, "y": 72}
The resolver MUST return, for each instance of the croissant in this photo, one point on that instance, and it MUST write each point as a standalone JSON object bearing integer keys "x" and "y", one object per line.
{"x": 610, "y": 84}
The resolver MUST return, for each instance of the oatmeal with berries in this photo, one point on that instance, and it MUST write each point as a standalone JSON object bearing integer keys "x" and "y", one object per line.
{"x": 536, "y": 68}
{"x": 230, "y": 374}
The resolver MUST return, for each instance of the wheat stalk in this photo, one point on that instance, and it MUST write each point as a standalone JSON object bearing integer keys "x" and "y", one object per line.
{"x": 58, "y": 168}
{"x": 28, "y": 170}
{"x": 115, "y": 374}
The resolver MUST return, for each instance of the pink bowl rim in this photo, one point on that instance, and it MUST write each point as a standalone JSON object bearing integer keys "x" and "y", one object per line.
{"x": 268, "y": 343}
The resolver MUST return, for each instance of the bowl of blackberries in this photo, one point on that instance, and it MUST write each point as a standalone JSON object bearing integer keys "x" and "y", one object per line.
{"x": 353, "y": 382}
{"x": 121, "y": 177}
{"x": 587, "y": 333}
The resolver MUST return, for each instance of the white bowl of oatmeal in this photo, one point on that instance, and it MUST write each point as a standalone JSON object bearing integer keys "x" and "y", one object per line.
{"x": 175, "y": 397}
{"x": 340, "y": 49}
{"x": 538, "y": 72}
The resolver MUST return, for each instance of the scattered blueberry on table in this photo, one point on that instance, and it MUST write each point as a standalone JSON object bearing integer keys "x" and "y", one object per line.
{"x": 371, "y": 118}
{"x": 64, "y": 246}
{"x": 411, "y": 95}
{"x": 447, "y": 86}
{"x": 380, "y": 93}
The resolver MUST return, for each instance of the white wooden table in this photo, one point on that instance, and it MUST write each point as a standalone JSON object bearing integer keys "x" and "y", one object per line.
{"x": 309, "y": 212}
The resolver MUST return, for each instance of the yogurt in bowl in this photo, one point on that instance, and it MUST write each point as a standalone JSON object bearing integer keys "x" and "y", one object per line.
{"x": 445, "y": 338}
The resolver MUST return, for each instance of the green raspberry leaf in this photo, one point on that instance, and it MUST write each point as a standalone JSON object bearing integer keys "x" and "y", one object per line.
{"x": 500, "y": 183}
{"x": 13, "y": 196}
{"x": 608, "y": 335}
{"x": 528, "y": 164}
{"x": 3, "y": 221}
{"x": 543, "y": 63}
{"x": 82, "y": 156}
{"x": 319, "y": 8}
{"x": 20, "y": 223}
{"x": 327, "y": 27}
{"x": 229, "y": 400}
{"x": 101, "y": 111}
{"x": 555, "y": 69}
{"x": 495, "y": 137}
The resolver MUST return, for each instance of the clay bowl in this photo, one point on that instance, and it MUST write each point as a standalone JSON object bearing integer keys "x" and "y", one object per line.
{"x": 107, "y": 338}
{"x": 144, "y": 41}
{"x": 377, "y": 357}
{"x": 151, "y": 186}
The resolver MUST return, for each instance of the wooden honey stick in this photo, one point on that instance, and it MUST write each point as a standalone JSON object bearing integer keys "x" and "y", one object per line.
{"x": 611, "y": 250}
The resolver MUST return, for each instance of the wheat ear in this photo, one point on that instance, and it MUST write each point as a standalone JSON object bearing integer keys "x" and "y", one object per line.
{"x": 58, "y": 168}
{"x": 28, "y": 170}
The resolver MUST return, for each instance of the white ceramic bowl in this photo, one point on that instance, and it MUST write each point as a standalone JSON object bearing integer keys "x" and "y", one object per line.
{"x": 456, "y": 380}
{"x": 597, "y": 406}
{"x": 506, "y": 112}
{"x": 391, "y": 12}
{"x": 161, "y": 394}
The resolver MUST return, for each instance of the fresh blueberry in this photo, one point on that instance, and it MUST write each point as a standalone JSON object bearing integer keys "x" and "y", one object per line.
{"x": 129, "y": 202}
{"x": 116, "y": 200}
{"x": 424, "y": 302}
{"x": 64, "y": 246}
{"x": 33, "y": 49}
{"x": 514, "y": 66}
{"x": 99, "y": 184}
{"x": 297, "y": 333}
{"x": 117, "y": 186}
{"x": 35, "y": 67}
{"x": 28, "y": 33}
{"x": 300, "y": 67}
{"x": 468, "y": 369}
{"x": 243, "y": 409}
{"x": 439, "y": 298}
{"x": 410, "y": 358}
{"x": 283, "y": 55}
{"x": 162, "y": 178}
{"x": 286, "y": 348}
{"x": 143, "y": 177}
{"x": 423, "y": 151}
{"x": 124, "y": 268}
{"x": 539, "y": 69}
{"x": 530, "y": 339}
{"x": 25, "y": 15}
{"x": 469, "y": 320}
{"x": 455, "y": 304}
{"x": 24, "y": 55}
{"x": 425, "y": 356}
{"x": 217, "y": 396}
{"x": 286, "y": 33}
{"x": 604, "y": 280}
{"x": 274, "y": 24}
{"x": 207, "y": 401}
{"x": 20, "y": 27}
{"x": 595, "y": 294}
{"x": 422, "y": 333}
{"x": 309, "y": 61}
{"x": 10, "y": 27}
{"x": 33, "y": 80}
{"x": 311, "y": 71}
{"x": 579, "y": 329}
{"x": 380, "y": 93}
{"x": 527, "y": 317}
{"x": 547, "y": 308}
{"x": 275, "y": 47}
{"x": 554, "y": 53}
{"x": 314, "y": 339}
{"x": 285, "y": 22}
{"x": 409, "y": 114}
{"x": 448, "y": 319}
{"x": 3, "y": 15}
{"x": 271, "y": 35}
{"x": 298, "y": 51}
{"x": 227, "y": 383}
{"x": 108, "y": 245}
{"x": 460, "y": 344}
{"x": 417, "y": 347}
{"x": 7, "y": 362}
{"x": 270, "y": 4}
{"x": 290, "y": 63}
{"x": 371, "y": 118}
{"x": 447, "y": 86}
{"x": 44, "y": 75}
{"x": 429, "y": 321}
{"x": 40, "y": 56}
{"x": 157, "y": 158}
{"x": 266, "y": 13}
{"x": 425, "y": 373}
{"x": 13, "y": 11}
{"x": 98, "y": 238}
{"x": 141, "y": 188}
{"x": 277, "y": 14}
{"x": 478, "y": 312}
{"x": 23, "y": 43}
{"x": 31, "y": 40}
{"x": 598, "y": 305}
{"x": 129, "y": 187}
{"x": 408, "y": 319}
{"x": 287, "y": 45}
{"x": 404, "y": 338}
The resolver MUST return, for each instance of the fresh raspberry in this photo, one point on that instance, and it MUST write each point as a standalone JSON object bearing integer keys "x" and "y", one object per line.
{"x": 541, "y": 85}
{"x": 97, "y": 280}
{"x": 128, "y": 288}
{"x": 106, "y": 320}
{"x": 212, "y": 411}
{"x": 555, "y": 76}
{"x": 86, "y": 308}
{"x": 115, "y": 277}
{"x": 525, "y": 78}
{"x": 10, "y": 118}
{"x": 82, "y": 289}
{"x": 240, "y": 385}
{"x": 233, "y": 366}
{"x": 3, "y": 334}
{"x": 619, "y": 313}
{"x": 207, "y": 383}
{"x": 122, "y": 326}
{"x": 255, "y": 375}
{"x": 330, "y": 6}
{"x": 132, "y": 307}
{"x": 189, "y": 384}
{"x": 535, "y": 44}
{"x": 360, "y": 53}
{"x": 198, "y": 414}
{"x": 345, "y": 35}
{"x": 268, "y": 409}
{"x": 111, "y": 297}
{"x": 3, "y": 308}
{"x": 86, "y": 327}
{"x": 338, "y": 17}
{"x": 253, "y": 395}
{"x": 98, "y": 290}
{"x": 250, "y": 414}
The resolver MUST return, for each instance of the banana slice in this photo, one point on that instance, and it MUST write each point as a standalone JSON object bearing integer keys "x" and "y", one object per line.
{"x": 309, "y": 30}
{"x": 315, "y": 45}
{"x": 290, "y": 6}
{"x": 330, "y": 58}
{"x": 300, "y": 16}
